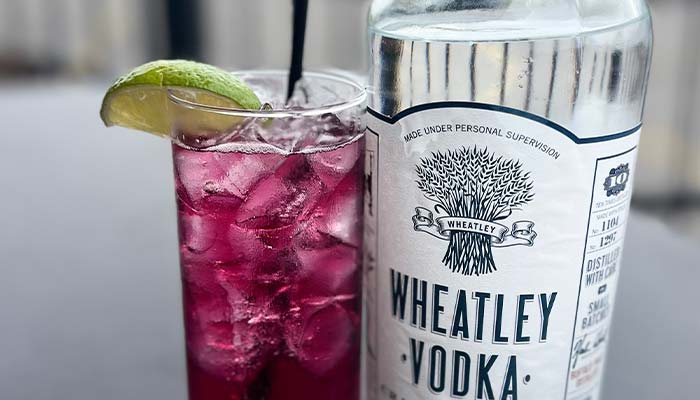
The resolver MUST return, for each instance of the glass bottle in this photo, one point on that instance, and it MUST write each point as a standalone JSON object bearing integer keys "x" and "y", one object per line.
{"x": 501, "y": 149}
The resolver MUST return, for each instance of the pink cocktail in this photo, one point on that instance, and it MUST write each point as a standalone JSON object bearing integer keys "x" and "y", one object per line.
{"x": 270, "y": 243}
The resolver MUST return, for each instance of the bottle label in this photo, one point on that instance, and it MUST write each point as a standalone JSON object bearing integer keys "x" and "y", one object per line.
{"x": 494, "y": 241}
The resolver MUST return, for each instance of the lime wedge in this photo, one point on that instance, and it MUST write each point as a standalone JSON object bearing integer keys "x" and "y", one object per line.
{"x": 139, "y": 99}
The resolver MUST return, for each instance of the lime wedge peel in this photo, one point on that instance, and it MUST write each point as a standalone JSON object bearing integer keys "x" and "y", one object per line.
{"x": 139, "y": 99}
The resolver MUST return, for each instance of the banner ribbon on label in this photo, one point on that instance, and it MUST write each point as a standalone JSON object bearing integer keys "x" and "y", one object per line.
{"x": 521, "y": 234}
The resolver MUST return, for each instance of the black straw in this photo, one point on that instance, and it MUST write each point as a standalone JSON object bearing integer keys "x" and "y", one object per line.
{"x": 295, "y": 69}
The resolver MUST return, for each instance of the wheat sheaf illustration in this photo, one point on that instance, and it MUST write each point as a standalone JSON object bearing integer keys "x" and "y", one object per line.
{"x": 476, "y": 184}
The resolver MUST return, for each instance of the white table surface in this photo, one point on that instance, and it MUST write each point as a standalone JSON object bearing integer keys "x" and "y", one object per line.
{"x": 89, "y": 279}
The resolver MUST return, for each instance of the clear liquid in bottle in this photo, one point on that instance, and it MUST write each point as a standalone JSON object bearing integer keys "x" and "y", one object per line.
{"x": 501, "y": 152}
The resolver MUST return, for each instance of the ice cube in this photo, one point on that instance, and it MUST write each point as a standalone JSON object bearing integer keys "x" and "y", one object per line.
{"x": 197, "y": 232}
{"x": 320, "y": 337}
{"x": 285, "y": 135}
{"x": 195, "y": 168}
{"x": 205, "y": 300}
{"x": 327, "y": 273}
{"x": 332, "y": 166}
{"x": 278, "y": 200}
{"x": 218, "y": 181}
{"x": 250, "y": 300}
{"x": 247, "y": 244}
{"x": 205, "y": 238}
{"x": 309, "y": 237}
{"x": 263, "y": 284}
{"x": 340, "y": 214}
{"x": 244, "y": 170}
{"x": 233, "y": 351}
{"x": 226, "y": 334}
{"x": 204, "y": 182}
{"x": 309, "y": 95}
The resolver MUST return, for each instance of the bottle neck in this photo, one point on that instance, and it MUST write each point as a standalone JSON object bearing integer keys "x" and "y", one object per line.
{"x": 459, "y": 5}
{"x": 579, "y": 15}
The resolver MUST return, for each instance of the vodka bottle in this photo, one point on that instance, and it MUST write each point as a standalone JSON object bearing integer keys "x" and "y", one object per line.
{"x": 501, "y": 149}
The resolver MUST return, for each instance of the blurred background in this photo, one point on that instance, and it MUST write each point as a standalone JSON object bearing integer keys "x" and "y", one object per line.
{"x": 96, "y": 40}
{"x": 89, "y": 286}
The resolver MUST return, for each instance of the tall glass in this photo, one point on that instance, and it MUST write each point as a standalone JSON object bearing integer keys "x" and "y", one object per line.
{"x": 269, "y": 210}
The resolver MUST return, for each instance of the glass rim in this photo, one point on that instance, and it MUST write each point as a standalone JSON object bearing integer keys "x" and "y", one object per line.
{"x": 357, "y": 99}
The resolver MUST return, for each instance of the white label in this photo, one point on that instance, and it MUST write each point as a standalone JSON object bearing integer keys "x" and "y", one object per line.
{"x": 494, "y": 242}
